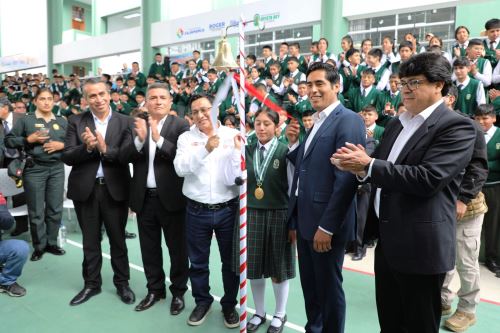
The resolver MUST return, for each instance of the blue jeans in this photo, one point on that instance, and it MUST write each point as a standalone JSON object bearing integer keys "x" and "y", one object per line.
{"x": 13, "y": 253}
{"x": 201, "y": 223}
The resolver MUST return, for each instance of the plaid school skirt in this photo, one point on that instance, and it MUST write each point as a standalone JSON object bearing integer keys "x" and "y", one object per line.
{"x": 269, "y": 254}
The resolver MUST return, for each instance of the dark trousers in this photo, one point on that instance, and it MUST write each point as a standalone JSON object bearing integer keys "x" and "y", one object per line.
{"x": 101, "y": 208}
{"x": 201, "y": 223}
{"x": 491, "y": 223}
{"x": 406, "y": 303}
{"x": 321, "y": 280}
{"x": 44, "y": 188}
{"x": 362, "y": 205}
{"x": 152, "y": 220}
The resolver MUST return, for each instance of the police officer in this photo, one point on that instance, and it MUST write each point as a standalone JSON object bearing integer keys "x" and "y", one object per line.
{"x": 41, "y": 134}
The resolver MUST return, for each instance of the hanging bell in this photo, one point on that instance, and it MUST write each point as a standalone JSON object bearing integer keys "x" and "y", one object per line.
{"x": 224, "y": 58}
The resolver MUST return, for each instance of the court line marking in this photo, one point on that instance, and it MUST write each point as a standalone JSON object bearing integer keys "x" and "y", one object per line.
{"x": 288, "y": 324}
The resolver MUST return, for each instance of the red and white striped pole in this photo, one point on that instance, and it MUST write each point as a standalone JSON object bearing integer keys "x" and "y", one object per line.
{"x": 243, "y": 188}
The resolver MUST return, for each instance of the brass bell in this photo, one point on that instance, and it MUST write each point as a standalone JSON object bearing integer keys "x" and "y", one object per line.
{"x": 224, "y": 58}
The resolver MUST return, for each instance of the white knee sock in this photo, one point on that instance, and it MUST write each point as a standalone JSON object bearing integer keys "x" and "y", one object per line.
{"x": 281, "y": 296}
{"x": 258, "y": 292}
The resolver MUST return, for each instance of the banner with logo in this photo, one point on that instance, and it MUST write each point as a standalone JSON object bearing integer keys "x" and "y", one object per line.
{"x": 199, "y": 27}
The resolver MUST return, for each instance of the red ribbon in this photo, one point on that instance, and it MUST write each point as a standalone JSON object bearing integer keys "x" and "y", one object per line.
{"x": 260, "y": 97}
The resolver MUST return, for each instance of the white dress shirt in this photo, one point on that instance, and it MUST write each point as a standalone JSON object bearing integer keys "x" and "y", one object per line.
{"x": 410, "y": 125}
{"x": 489, "y": 133}
{"x": 151, "y": 180}
{"x": 384, "y": 79}
{"x": 101, "y": 127}
{"x": 496, "y": 74}
{"x": 486, "y": 76}
{"x": 208, "y": 177}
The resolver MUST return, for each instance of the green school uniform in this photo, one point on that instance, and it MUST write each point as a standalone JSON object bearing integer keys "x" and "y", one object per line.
{"x": 357, "y": 101}
{"x": 467, "y": 97}
{"x": 493, "y": 150}
{"x": 489, "y": 53}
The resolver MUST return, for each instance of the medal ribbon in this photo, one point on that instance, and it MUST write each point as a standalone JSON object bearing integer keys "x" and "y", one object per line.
{"x": 260, "y": 167}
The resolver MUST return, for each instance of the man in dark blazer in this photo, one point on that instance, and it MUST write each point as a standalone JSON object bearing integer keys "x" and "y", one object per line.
{"x": 99, "y": 187}
{"x": 321, "y": 204}
{"x": 7, "y": 155}
{"x": 156, "y": 196}
{"x": 416, "y": 173}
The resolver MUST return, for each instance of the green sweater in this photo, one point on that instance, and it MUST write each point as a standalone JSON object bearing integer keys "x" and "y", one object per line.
{"x": 357, "y": 102}
{"x": 490, "y": 54}
{"x": 467, "y": 97}
{"x": 493, "y": 149}
{"x": 275, "y": 183}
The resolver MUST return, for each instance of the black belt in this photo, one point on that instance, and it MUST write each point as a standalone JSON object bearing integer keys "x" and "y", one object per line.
{"x": 196, "y": 204}
{"x": 151, "y": 192}
{"x": 100, "y": 181}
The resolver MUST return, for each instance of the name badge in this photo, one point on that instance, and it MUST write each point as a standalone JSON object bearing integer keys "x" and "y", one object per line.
{"x": 39, "y": 125}
{"x": 498, "y": 146}
{"x": 467, "y": 97}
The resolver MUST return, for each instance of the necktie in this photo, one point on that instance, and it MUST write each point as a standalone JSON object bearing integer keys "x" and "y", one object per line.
{"x": 363, "y": 92}
{"x": 261, "y": 153}
{"x": 492, "y": 46}
{"x": 460, "y": 87}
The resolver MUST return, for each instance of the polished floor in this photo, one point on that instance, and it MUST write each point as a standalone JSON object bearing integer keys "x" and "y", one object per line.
{"x": 53, "y": 281}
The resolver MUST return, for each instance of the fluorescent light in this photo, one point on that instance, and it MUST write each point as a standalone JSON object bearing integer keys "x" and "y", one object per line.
{"x": 129, "y": 16}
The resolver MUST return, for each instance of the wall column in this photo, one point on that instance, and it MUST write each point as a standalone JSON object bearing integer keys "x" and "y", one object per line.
{"x": 150, "y": 13}
{"x": 333, "y": 25}
{"x": 54, "y": 32}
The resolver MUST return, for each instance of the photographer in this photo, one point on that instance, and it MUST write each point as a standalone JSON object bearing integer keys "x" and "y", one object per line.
{"x": 13, "y": 255}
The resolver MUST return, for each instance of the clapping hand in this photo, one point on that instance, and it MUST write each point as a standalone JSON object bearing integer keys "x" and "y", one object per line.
{"x": 89, "y": 139}
{"x": 351, "y": 158}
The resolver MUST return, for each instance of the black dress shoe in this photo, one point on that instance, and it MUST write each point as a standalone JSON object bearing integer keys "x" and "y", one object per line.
{"x": 16, "y": 232}
{"x": 84, "y": 295}
{"x": 492, "y": 265}
{"x": 130, "y": 235}
{"x": 279, "y": 329}
{"x": 177, "y": 305}
{"x": 126, "y": 294}
{"x": 148, "y": 301}
{"x": 253, "y": 327}
{"x": 55, "y": 250}
{"x": 37, "y": 255}
{"x": 359, "y": 254}
{"x": 199, "y": 314}
{"x": 231, "y": 318}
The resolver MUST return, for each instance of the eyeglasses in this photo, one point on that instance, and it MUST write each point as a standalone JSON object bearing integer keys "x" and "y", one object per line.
{"x": 411, "y": 84}
{"x": 205, "y": 110}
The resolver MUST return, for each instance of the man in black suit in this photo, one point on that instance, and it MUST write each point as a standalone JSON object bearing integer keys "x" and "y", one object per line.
{"x": 99, "y": 186}
{"x": 7, "y": 155}
{"x": 415, "y": 173}
{"x": 156, "y": 197}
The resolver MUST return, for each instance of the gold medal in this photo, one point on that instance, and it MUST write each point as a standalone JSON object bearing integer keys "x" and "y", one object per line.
{"x": 259, "y": 193}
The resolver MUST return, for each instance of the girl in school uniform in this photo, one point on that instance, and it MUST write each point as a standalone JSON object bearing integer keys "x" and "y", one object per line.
{"x": 270, "y": 244}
